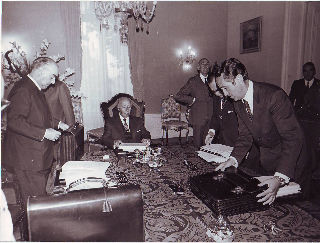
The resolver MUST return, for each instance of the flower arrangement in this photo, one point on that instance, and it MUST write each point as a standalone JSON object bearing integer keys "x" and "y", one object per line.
{"x": 15, "y": 60}
{"x": 15, "y": 65}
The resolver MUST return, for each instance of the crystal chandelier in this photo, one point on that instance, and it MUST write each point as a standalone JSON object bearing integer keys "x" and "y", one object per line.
{"x": 121, "y": 11}
{"x": 186, "y": 59}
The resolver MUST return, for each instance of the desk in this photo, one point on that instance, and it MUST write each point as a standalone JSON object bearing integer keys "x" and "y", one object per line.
{"x": 170, "y": 217}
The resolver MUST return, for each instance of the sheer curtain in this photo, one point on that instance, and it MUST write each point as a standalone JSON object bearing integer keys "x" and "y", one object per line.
{"x": 105, "y": 66}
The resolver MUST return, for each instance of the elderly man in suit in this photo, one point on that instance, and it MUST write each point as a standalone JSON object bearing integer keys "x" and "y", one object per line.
{"x": 266, "y": 118}
{"x": 28, "y": 142}
{"x": 305, "y": 92}
{"x": 196, "y": 93}
{"x": 124, "y": 128}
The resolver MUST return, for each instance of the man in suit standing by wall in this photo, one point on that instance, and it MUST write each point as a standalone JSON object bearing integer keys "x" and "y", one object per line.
{"x": 124, "y": 128}
{"x": 266, "y": 118}
{"x": 196, "y": 93}
{"x": 60, "y": 104}
{"x": 28, "y": 142}
{"x": 305, "y": 92}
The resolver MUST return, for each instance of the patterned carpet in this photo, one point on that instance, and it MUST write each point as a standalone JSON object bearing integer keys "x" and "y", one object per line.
{"x": 172, "y": 217}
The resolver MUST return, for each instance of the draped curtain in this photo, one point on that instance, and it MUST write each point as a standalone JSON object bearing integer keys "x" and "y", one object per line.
{"x": 70, "y": 14}
{"x": 105, "y": 66}
{"x": 136, "y": 53}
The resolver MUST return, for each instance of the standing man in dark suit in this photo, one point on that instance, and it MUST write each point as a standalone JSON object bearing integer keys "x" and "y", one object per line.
{"x": 305, "y": 92}
{"x": 124, "y": 128}
{"x": 28, "y": 143}
{"x": 196, "y": 93}
{"x": 224, "y": 122}
{"x": 60, "y": 104}
{"x": 266, "y": 118}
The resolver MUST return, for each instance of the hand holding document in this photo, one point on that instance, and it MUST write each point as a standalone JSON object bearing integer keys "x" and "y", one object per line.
{"x": 291, "y": 188}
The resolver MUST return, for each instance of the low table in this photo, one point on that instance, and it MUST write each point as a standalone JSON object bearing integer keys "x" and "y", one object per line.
{"x": 173, "y": 217}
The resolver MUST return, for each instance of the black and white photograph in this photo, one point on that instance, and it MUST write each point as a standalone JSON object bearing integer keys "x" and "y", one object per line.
{"x": 160, "y": 121}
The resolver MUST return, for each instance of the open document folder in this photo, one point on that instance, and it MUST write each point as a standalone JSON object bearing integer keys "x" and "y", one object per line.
{"x": 291, "y": 188}
{"x": 215, "y": 153}
{"x": 80, "y": 175}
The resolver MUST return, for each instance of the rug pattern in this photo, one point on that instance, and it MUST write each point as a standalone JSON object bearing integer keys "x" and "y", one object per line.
{"x": 171, "y": 217}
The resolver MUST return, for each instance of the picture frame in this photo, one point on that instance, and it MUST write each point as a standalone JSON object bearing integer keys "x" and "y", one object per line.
{"x": 250, "y": 35}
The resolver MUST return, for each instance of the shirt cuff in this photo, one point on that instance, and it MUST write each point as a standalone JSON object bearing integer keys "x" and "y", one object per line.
{"x": 59, "y": 124}
{"x": 286, "y": 178}
{"x": 235, "y": 162}
{"x": 212, "y": 131}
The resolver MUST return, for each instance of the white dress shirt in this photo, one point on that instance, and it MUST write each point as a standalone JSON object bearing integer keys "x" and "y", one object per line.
{"x": 310, "y": 82}
{"x": 124, "y": 119}
{"x": 203, "y": 78}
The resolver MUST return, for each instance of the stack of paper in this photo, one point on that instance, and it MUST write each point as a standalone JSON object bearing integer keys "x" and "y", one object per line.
{"x": 215, "y": 153}
{"x": 84, "y": 173}
{"x": 291, "y": 188}
{"x": 131, "y": 147}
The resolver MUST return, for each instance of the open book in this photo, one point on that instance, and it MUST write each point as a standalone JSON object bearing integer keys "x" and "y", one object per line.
{"x": 291, "y": 188}
{"x": 215, "y": 153}
{"x": 80, "y": 175}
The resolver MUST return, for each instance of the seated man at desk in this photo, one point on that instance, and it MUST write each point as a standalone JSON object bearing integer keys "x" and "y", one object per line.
{"x": 266, "y": 118}
{"x": 124, "y": 128}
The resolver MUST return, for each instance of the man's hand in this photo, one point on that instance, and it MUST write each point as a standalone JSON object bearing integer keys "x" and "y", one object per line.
{"x": 52, "y": 134}
{"x": 268, "y": 196}
{"x": 146, "y": 141}
{"x": 63, "y": 126}
{"x": 116, "y": 143}
{"x": 224, "y": 165}
{"x": 209, "y": 136}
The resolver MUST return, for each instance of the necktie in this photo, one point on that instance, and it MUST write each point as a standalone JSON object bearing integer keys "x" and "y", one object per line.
{"x": 125, "y": 124}
{"x": 248, "y": 110}
{"x": 308, "y": 85}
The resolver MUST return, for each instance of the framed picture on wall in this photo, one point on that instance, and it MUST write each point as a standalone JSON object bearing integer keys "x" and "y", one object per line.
{"x": 250, "y": 35}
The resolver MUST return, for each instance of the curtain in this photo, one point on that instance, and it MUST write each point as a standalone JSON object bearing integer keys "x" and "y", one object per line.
{"x": 136, "y": 53}
{"x": 105, "y": 66}
{"x": 70, "y": 14}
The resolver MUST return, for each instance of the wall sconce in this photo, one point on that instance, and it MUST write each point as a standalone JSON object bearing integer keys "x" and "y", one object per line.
{"x": 186, "y": 59}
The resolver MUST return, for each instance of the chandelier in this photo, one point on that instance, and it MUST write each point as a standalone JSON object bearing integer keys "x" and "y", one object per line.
{"x": 118, "y": 12}
{"x": 186, "y": 59}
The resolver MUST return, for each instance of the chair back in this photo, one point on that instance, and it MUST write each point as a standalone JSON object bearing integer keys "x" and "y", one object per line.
{"x": 109, "y": 109}
{"x": 170, "y": 109}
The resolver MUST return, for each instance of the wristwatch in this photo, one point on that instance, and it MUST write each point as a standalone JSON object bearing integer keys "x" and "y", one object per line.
{"x": 281, "y": 180}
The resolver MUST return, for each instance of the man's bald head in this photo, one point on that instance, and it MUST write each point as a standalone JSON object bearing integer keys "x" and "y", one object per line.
{"x": 124, "y": 106}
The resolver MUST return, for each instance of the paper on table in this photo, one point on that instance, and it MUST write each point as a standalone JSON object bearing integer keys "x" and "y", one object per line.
{"x": 131, "y": 147}
{"x": 291, "y": 188}
{"x": 77, "y": 170}
{"x": 215, "y": 153}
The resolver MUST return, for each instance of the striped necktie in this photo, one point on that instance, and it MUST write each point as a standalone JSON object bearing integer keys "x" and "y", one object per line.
{"x": 125, "y": 124}
{"x": 248, "y": 110}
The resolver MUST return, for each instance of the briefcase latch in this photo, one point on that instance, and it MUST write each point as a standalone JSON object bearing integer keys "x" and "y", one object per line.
{"x": 106, "y": 208}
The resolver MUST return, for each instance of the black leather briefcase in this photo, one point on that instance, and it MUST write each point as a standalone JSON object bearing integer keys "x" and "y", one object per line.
{"x": 102, "y": 214}
{"x": 227, "y": 193}
{"x": 72, "y": 144}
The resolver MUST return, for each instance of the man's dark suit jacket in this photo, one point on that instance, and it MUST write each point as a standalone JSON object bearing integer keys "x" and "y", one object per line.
{"x": 301, "y": 96}
{"x": 114, "y": 130}
{"x": 28, "y": 117}
{"x": 201, "y": 110}
{"x": 60, "y": 103}
{"x": 275, "y": 130}
{"x": 224, "y": 121}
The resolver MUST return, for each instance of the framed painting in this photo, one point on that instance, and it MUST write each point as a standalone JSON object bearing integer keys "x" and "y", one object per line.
{"x": 250, "y": 35}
